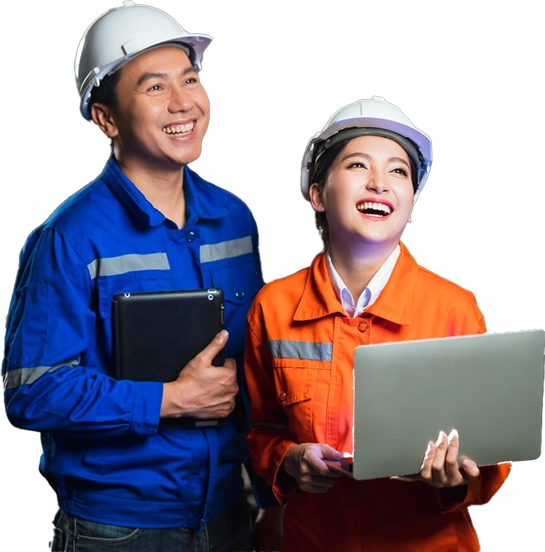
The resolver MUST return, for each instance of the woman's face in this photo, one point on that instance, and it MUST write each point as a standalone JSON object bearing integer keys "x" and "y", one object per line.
{"x": 368, "y": 195}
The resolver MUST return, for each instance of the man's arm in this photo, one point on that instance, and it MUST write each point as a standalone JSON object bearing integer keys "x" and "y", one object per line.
{"x": 51, "y": 381}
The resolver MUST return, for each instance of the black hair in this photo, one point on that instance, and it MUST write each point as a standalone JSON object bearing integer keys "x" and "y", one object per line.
{"x": 105, "y": 93}
{"x": 324, "y": 159}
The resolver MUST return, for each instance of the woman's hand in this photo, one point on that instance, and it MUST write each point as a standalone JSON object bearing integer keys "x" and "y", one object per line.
{"x": 306, "y": 464}
{"x": 440, "y": 468}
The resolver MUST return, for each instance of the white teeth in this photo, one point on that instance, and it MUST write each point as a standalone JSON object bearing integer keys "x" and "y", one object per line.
{"x": 179, "y": 129}
{"x": 375, "y": 206}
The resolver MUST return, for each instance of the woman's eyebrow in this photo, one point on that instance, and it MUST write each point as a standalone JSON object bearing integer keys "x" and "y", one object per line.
{"x": 367, "y": 156}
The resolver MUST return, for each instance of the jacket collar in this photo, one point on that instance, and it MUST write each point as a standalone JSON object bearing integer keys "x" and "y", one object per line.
{"x": 203, "y": 200}
{"x": 395, "y": 303}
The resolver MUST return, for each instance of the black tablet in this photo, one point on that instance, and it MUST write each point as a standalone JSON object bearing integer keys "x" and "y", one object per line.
{"x": 155, "y": 334}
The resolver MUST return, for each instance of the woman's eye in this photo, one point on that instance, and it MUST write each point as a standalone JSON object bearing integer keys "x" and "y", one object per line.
{"x": 357, "y": 166}
{"x": 399, "y": 170}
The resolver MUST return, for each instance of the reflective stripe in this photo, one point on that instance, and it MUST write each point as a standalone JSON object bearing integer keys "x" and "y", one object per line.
{"x": 109, "y": 266}
{"x": 226, "y": 249}
{"x": 309, "y": 350}
{"x": 24, "y": 376}
{"x": 266, "y": 424}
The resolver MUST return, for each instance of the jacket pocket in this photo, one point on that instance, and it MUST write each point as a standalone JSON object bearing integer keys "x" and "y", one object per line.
{"x": 240, "y": 282}
{"x": 108, "y": 286}
{"x": 294, "y": 393}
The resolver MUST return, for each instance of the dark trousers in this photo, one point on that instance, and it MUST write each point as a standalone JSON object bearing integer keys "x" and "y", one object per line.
{"x": 230, "y": 531}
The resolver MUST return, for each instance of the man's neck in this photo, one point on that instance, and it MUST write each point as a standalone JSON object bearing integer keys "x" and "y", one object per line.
{"x": 163, "y": 189}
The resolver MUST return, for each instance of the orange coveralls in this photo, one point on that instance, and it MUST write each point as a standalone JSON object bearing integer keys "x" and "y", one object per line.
{"x": 299, "y": 362}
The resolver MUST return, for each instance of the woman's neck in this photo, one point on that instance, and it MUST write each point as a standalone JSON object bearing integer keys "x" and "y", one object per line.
{"x": 357, "y": 270}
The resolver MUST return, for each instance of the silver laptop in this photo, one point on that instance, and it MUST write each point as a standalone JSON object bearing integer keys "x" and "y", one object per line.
{"x": 488, "y": 387}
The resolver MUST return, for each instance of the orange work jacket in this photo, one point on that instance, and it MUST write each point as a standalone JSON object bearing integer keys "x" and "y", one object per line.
{"x": 299, "y": 362}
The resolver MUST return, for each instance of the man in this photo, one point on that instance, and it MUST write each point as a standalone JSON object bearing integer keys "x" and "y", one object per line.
{"x": 147, "y": 223}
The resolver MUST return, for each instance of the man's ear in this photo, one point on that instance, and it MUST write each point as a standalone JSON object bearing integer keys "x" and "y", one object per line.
{"x": 102, "y": 116}
{"x": 316, "y": 198}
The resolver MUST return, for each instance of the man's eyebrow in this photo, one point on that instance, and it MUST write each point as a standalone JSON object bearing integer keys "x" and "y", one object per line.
{"x": 367, "y": 156}
{"x": 147, "y": 76}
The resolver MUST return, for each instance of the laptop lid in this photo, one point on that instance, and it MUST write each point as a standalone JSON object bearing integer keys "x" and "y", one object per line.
{"x": 489, "y": 387}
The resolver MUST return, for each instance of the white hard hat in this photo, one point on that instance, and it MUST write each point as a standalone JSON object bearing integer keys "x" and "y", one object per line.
{"x": 121, "y": 34}
{"x": 377, "y": 117}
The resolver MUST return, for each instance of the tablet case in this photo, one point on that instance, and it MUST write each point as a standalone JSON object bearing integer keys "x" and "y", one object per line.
{"x": 155, "y": 334}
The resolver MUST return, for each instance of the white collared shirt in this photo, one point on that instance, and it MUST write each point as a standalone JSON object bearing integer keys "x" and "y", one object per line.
{"x": 370, "y": 293}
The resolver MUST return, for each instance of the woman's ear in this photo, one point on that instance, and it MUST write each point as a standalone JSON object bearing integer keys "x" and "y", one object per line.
{"x": 316, "y": 198}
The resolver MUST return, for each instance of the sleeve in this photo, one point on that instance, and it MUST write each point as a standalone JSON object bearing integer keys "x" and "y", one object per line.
{"x": 476, "y": 492}
{"x": 269, "y": 438}
{"x": 50, "y": 382}
{"x": 262, "y": 492}
{"x": 470, "y": 321}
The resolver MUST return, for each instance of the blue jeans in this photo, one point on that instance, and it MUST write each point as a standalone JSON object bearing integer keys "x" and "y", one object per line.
{"x": 230, "y": 531}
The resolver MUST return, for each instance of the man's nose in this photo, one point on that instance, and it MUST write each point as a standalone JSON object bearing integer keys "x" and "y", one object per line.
{"x": 180, "y": 100}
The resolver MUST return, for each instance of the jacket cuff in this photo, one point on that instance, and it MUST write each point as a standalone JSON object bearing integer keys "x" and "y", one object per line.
{"x": 284, "y": 486}
{"x": 146, "y": 407}
{"x": 458, "y": 498}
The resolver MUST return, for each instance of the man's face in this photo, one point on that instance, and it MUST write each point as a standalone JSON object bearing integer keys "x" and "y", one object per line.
{"x": 368, "y": 196}
{"x": 162, "y": 111}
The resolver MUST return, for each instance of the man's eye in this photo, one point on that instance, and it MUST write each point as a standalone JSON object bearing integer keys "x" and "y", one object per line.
{"x": 191, "y": 80}
{"x": 154, "y": 88}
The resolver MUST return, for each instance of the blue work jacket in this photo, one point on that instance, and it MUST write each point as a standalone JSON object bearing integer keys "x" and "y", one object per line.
{"x": 102, "y": 450}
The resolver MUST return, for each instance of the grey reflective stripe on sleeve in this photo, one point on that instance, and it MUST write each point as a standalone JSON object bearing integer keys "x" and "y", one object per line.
{"x": 110, "y": 266}
{"x": 24, "y": 376}
{"x": 267, "y": 424}
{"x": 309, "y": 350}
{"x": 226, "y": 249}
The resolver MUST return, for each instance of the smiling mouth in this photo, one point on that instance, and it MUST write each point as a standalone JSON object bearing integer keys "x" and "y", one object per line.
{"x": 179, "y": 130}
{"x": 374, "y": 209}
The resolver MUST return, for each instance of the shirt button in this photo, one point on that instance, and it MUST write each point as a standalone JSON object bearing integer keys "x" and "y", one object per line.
{"x": 282, "y": 396}
{"x": 190, "y": 236}
{"x": 363, "y": 326}
{"x": 239, "y": 294}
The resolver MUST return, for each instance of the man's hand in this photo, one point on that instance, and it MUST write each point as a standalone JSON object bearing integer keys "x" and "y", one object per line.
{"x": 306, "y": 464}
{"x": 202, "y": 390}
{"x": 268, "y": 529}
{"x": 440, "y": 468}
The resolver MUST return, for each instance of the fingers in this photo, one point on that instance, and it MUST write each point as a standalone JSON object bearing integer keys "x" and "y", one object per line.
{"x": 452, "y": 470}
{"x": 426, "y": 470}
{"x": 438, "y": 473}
{"x": 214, "y": 347}
{"x": 330, "y": 453}
{"x": 440, "y": 466}
{"x": 471, "y": 470}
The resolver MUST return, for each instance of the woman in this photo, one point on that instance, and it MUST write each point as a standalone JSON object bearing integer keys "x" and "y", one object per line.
{"x": 362, "y": 175}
